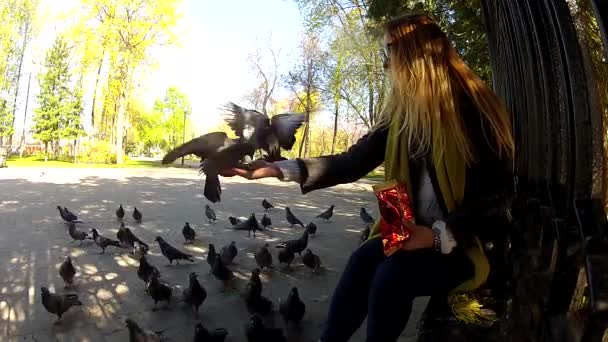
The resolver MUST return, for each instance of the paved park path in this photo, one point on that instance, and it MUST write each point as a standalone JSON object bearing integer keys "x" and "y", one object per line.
{"x": 33, "y": 241}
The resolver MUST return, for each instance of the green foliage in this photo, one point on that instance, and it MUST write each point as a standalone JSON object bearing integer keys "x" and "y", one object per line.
{"x": 175, "y": 109}
{"x": 97, "y": 152}
{"x": 149, "y": 130}
{"x": 60, "y": 105}
{"x": 6, "y": 118}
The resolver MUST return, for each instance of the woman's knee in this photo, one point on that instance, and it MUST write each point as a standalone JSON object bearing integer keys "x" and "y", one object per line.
{"x": 370, "y": 250}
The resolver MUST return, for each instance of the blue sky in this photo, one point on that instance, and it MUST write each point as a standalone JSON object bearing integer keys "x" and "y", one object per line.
{"x": 209, "y": 63}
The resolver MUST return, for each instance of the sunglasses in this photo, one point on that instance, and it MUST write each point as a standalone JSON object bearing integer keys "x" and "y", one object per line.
{"x": 386, "y": 55}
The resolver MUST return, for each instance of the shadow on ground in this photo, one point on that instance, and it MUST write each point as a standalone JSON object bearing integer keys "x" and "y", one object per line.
{"x": 33, "y": 241}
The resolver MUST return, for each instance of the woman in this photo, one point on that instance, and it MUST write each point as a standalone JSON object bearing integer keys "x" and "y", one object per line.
{"x": 448, "y": 137}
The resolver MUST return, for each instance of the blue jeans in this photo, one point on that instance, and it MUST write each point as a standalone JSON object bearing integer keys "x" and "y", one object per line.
{"x": 375, "y": 286}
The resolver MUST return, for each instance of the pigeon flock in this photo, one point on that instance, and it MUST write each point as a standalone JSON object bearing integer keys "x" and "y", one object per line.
{"x": 292, "y": 309}
{"x": 255, "y": 131}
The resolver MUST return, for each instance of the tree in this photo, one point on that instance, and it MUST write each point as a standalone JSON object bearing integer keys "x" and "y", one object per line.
{"x": 267, "y": 77}
{"x": 305, "y": 82}
{"x": 60, "y": 107}
{"x": 176, "y": 108}
{"x": 149, "y": 129}
{"x": 127, "y": 31}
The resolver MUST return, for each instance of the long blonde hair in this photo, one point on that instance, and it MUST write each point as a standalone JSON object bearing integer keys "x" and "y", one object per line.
{"x": 428, "y": 80}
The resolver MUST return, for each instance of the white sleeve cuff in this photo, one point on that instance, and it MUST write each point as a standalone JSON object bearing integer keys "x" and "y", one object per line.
{"x": 290, "y": 170}
{"x": 448, "y": 243}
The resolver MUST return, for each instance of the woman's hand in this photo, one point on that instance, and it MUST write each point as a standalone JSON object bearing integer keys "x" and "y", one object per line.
{"x": 420, "y": 237}
{"x": 257, "y": 169}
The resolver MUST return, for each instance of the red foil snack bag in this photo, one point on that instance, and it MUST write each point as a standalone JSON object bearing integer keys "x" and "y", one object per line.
{"x": 395, "y": 205}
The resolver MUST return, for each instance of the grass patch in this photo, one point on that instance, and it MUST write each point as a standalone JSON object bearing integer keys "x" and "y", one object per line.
{"x": 37, "y": 161}
{"x": 377, "y": 174}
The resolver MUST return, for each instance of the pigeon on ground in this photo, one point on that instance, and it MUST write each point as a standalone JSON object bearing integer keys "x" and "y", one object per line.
{"x": 263, "y": 257}
{"x": 228, "y": 253}
{"x": 266, "y": 222}
{"x": 234, "y": 221}
{"x": 298, "y": 245}
{"x": 201, "y": 334}
{"x": 172, "y": 253}
{"x": 76, "y": 234}
{"x": 195, "y": 294}
{"x": 251, "y": 224}
{"x": 257, "y": 332}
{"x": 367, "y": 218}
{"x": 189, "y": 233}
{"x": 211, "y": 256}
{"x": 291, "y": 218}
{"x": 146, "y": 270}
{"x": 311, "y": 228}
{"x": 210, "y": 214}
{"x": 137, "y": 215}
{"x": 364, "y": 235}
{"x": 256, "y": 303}
{"x": 139, "y": 250}
{"x": 120, "y": 212}
{"x": 327, "y": 214}
{"x": 137, "y": 334}
{"x": 311, "y": 260}
{"x": 103, "y": 241}
{"x": 292, "y": 309}
{"x": 58, "y": 304}
{"x": 67, "y": 271}
{"x": 121, "y": 235}
{"x": 159, "y": 291}
{"x": 286, "y": 256}
{"x": 221, "y": 272}
{"x": 132, "y": 239}
{"x": 205, "y": 146}
{"x": 68, "y": 216}
{"x": 267, "y": 205}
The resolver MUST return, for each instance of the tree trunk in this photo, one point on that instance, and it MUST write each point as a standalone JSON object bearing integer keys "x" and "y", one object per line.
{"x": 95, "y": 92}
{"x": 75, "y": 140}
{"x": 25, "y": 39}
{"x": 46, "y": 151}
{"x": 27, "y": 101}
{"x": 119, "y": 129}
{"x": 333, "y": 140}
{"x": 304, "y": 135}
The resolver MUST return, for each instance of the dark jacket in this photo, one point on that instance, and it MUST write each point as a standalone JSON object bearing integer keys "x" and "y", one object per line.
{"x": 489, "y": 187}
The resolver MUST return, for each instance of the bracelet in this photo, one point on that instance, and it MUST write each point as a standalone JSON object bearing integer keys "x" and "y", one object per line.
{"x": 446, "y": 239}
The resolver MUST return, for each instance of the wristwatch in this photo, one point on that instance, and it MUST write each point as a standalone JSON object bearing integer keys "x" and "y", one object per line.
{"x": 443, "y": 239}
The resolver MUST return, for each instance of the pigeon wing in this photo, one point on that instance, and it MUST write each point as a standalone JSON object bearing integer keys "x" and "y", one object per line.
{"x": 284, "y": 126}
{"x": 202, "y": 147}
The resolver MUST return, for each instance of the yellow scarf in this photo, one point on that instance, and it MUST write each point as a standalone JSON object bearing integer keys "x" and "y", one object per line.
{"x": 451, "y": 175}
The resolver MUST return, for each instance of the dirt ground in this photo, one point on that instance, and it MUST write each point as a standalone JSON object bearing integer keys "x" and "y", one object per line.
{"x": 33, "y": 241}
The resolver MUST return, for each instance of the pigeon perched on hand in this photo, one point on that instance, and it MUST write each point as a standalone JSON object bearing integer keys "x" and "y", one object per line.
{"x": 146, "y": 271}
{"x": 76, "y": 234}
{"x": 291, "y": 218}
{"x": 103, "y": 241}
{"x": 172, "y": 253}
{"x": 210, "y": 214}
{"x": 189, "y": 233}
{"x": 137, "y": 215}
{"x": 311, "y": 228}
{"x": 327, "y": 214}
{"x": 201, "y": 334}
{"x": 311, "y": 261}
{"x": 292, "y": 309}
{"x": 266, "y": 205}
{"x": 195, "y": 294}
{"x": 266, "y": 222}
{"x": 298, "y": 245}
{"x": 234, "y": 221}
{"x": 137, "y": 334}
{"x": 257, "y": 332}
{"x": 228, "y": 253}
{"x": 367, "y": 218}
{"x": 159, "y": 291}
{"x": 67, "y": 271}
{"x": 120, "y": 212}
{"x": 263, "y": 257}
{"x": 58, "y": 304}
{"x": 256, "y": 303}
